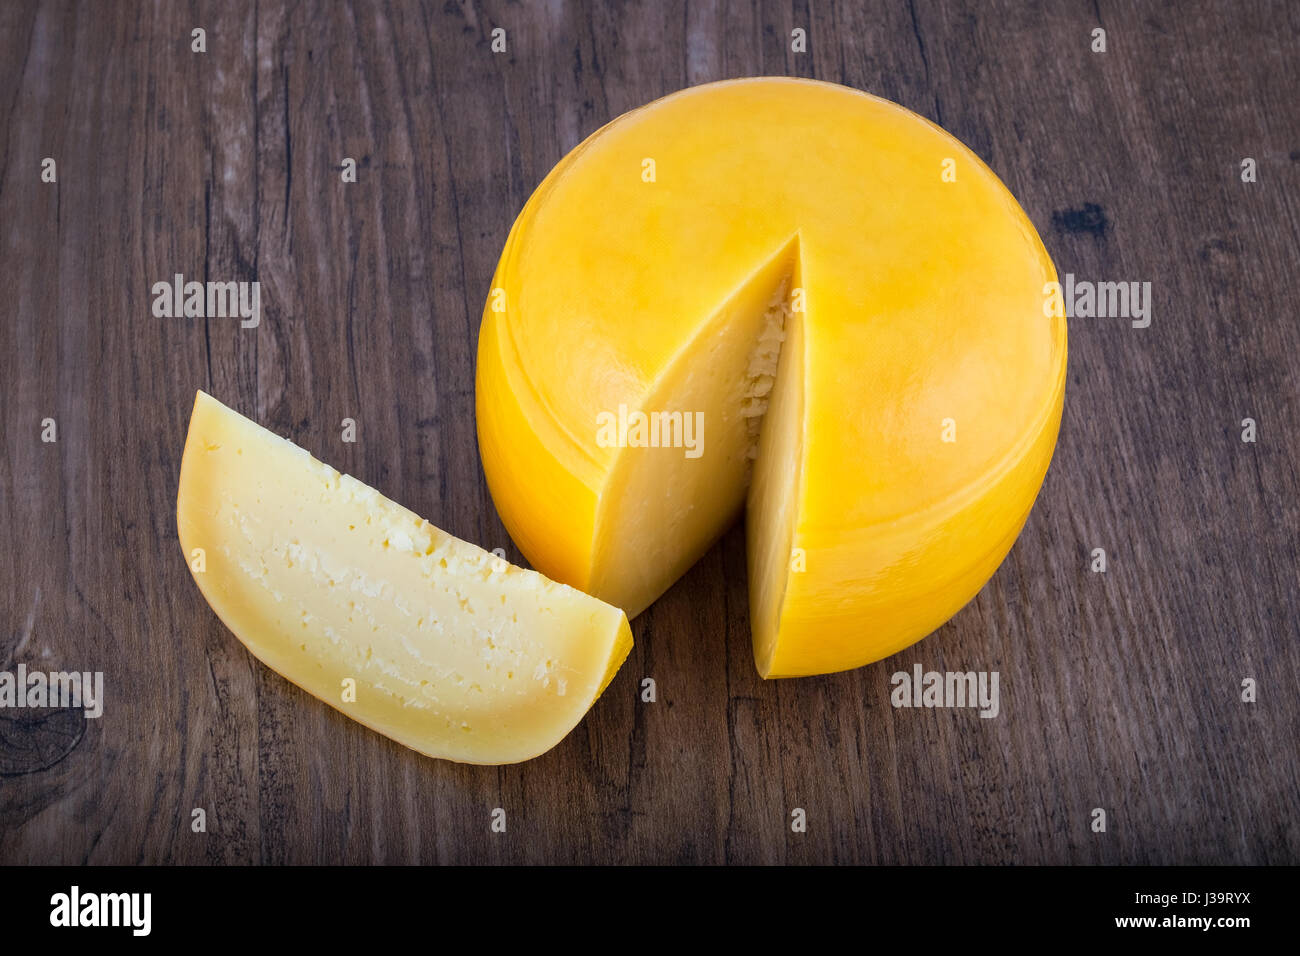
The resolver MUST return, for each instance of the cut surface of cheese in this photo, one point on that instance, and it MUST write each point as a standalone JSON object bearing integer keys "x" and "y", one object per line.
{"x": 851, "y": 303}
{"x": 438, "y": 644}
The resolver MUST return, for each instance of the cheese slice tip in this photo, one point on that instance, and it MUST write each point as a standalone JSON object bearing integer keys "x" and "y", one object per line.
{"x": 425, "y": 638}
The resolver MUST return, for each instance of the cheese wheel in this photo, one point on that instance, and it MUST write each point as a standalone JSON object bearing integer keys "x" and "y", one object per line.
{"x": 423, "y": 637}
{"x": 786, "y": 298}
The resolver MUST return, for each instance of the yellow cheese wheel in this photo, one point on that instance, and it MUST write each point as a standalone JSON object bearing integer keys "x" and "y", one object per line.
{"x": 421, "y": 636}
{"x": 847, "y": 305}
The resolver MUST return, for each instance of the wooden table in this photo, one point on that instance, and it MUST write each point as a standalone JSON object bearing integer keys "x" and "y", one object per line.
{"x": 1119, "y": 690}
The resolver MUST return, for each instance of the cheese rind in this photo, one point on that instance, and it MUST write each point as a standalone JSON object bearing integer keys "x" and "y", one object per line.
{"x": 451, "y": 650}
{"x": 923, "y": 303}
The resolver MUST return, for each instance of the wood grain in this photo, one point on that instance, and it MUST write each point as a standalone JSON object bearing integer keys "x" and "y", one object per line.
{"x": 1119, "y": 690}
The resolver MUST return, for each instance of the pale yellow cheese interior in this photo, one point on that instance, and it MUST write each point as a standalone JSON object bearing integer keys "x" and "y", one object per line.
{"x": 661, "y": 510}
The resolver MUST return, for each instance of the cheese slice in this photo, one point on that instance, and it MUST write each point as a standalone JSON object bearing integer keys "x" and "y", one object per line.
{"x": 852, "y": 303}
{"x": 425, "y": 638}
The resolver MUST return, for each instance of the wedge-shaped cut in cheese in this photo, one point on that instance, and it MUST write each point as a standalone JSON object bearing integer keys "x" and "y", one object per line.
{"x": 429, "y": 640}
{"x": 852, "y": 303}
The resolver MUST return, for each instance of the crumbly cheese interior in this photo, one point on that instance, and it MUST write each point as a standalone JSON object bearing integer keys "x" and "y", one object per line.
{"x": 764, "y": 361}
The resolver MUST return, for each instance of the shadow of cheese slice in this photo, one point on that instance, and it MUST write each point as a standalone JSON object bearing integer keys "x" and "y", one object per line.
{"x": 854, "y": 306}
{"x": 450, "y": 650}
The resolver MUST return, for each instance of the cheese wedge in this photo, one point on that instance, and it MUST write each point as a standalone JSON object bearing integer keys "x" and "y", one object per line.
{"x": 427, "y": 639}
{"x": 852, "y": 304}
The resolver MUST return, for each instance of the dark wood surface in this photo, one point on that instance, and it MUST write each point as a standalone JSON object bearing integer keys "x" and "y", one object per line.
{"x": 1119, "y": 690}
